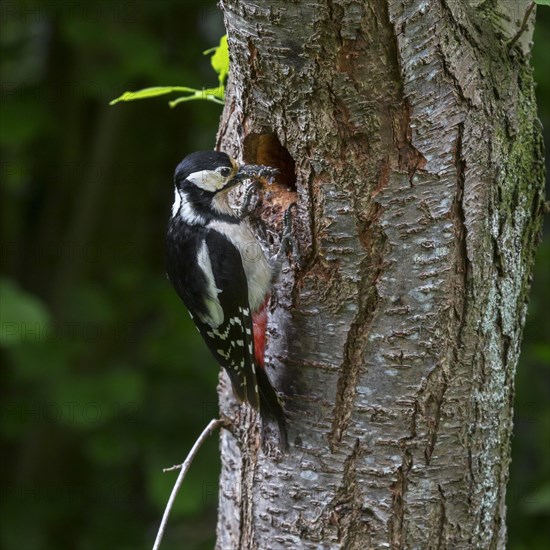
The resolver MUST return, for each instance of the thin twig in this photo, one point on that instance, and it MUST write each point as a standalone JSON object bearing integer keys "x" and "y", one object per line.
{"x": 523, "y": 26}
{"x": 212, "y": 425}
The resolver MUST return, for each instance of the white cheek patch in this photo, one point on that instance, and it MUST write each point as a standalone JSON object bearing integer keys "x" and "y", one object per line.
{"x": 209, "y": 180}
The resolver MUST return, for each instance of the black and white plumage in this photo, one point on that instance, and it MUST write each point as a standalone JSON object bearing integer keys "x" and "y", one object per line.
{"x": 219, "y": 270}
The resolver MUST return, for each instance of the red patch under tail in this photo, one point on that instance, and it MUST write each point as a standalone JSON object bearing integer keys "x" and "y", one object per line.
{"x": 259, "y": 320}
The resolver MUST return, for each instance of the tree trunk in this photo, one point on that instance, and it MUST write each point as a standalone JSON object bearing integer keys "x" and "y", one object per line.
{"x": 408, "y": 130}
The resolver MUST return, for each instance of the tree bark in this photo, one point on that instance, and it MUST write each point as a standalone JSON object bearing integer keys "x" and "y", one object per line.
{"x": 406, "y": 130}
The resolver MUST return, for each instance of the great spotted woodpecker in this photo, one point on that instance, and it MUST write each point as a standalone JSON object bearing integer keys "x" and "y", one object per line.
{"x": 221, "y": 273}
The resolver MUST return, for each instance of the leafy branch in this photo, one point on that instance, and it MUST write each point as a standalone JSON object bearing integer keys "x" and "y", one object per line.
{"x": 220, "y": 64}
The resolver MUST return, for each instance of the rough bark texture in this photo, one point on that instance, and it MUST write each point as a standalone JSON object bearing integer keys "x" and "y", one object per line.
{"x": 408, "y": 130}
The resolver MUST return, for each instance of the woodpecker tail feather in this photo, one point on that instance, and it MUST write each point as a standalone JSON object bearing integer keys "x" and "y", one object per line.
{"x": 266, "y": 401}
{"x": 271, "y": 406}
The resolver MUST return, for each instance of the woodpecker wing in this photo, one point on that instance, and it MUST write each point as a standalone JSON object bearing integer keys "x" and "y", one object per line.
{"x": 229, "y": 337}
{"x": 212, "y": 266}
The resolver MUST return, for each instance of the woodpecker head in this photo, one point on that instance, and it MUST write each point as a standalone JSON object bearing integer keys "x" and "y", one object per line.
{"x": 205, "y": 173}
{"x": 203, "y": 179}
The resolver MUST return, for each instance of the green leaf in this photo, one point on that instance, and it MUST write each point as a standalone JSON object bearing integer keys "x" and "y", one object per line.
{"x": 150, "y": 92}
{"x": 542, "y": 2}
{"x": 220, "y": 59}
{"x": 22, "y": 315}
{"x": 220, "y": 64}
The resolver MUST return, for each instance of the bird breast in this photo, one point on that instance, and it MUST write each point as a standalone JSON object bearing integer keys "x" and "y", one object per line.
{"x": 256, "y": 266}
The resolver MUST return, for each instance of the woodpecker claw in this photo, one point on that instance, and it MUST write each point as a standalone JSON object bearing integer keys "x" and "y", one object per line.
{"x": 250, "y": 195}
{"x": 288, "y": 242}
{"x": 256, "y": 172}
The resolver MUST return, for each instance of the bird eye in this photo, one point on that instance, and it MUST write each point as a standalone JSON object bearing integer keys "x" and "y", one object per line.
{"x": 225, "y": 171}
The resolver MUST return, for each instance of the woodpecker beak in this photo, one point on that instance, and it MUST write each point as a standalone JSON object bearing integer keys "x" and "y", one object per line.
{"x": 254, "y": 172}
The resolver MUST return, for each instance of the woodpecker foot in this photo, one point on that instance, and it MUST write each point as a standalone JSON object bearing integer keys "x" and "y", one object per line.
{"x": 288, "y": 242}
{"x": 250, "y": 200}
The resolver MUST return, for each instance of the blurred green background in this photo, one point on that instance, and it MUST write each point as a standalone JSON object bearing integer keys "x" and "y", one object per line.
{"x": 104, "y": 380}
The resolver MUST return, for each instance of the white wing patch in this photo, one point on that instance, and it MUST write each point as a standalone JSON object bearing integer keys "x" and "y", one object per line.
{"x": 209, "y": 180}
{"x": 214, "y": 318}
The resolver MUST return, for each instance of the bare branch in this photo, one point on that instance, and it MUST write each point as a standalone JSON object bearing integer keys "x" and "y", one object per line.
{"x": 212, "y": 425}
{"x": 523, "y": 26}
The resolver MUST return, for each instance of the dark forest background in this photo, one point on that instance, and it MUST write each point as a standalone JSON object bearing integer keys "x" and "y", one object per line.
{"x": 104, "y": 380}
